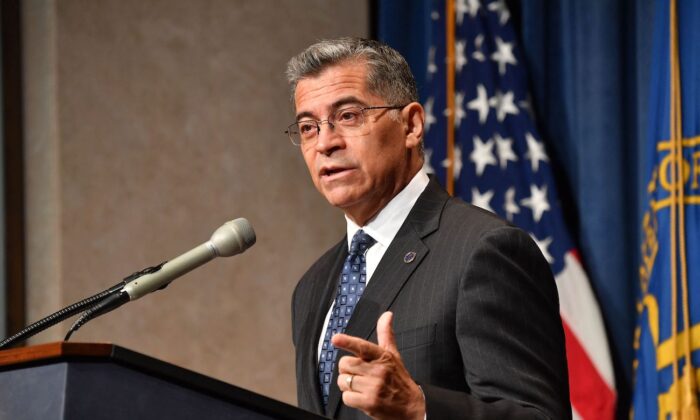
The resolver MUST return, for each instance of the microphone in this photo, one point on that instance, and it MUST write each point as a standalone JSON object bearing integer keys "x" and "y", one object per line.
{"x": 230, "y": 239}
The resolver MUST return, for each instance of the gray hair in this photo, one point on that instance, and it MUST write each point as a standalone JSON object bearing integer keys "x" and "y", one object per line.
{"x": 388, "y": 76}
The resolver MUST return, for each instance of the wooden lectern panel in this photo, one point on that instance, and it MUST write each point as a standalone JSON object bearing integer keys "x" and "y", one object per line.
{"x": 54, "y": 351}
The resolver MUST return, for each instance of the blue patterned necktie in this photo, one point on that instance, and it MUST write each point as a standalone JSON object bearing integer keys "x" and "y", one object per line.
{"x": 352, "y": 283}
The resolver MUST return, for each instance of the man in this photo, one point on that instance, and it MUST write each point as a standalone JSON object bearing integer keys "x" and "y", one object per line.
{"x": 429, "y": 308}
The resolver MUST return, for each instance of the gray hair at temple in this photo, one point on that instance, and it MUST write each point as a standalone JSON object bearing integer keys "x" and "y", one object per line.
{"x": 389, "y": 75}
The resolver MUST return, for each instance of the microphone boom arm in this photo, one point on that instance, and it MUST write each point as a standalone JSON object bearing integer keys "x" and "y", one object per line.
{"x": 230, "y": 239}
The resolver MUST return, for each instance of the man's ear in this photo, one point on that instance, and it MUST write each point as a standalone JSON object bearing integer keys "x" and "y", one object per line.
{"x": 413, "y": 117}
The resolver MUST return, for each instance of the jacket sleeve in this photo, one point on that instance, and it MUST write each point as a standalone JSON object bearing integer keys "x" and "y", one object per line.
{"x": 510, "y": 336}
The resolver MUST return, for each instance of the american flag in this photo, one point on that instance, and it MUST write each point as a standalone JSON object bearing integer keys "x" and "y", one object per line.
{"x": 476, "y": 88}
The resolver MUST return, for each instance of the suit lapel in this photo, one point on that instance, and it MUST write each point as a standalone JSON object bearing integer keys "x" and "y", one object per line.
{"x": 393, "y": 271}
{"x": 324, "y": 286}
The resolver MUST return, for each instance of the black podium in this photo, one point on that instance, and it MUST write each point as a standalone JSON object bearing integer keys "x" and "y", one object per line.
{"x": 104, "y": 381}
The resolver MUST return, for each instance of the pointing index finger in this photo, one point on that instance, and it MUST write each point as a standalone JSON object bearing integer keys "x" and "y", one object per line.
{"x": 363, "y": 349}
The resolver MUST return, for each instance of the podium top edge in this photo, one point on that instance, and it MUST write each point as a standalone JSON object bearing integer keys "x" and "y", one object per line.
{"x": 54, "y": 350}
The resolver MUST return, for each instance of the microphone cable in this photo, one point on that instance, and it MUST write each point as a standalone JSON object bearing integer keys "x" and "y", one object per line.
{"x": 73, "y": 309}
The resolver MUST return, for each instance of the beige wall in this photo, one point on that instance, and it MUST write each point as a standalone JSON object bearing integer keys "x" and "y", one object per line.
{"x": 149, "y": 124}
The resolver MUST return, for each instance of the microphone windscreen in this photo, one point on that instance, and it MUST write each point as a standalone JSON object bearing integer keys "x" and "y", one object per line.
{"x": 233, "y": 237}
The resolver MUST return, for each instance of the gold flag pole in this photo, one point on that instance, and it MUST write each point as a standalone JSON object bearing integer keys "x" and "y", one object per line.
{"x": 450, "y": 94}
{"x": 688, "y": 388}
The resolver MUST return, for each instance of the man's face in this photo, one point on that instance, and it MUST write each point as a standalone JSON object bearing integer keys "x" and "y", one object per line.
{"x": 362, "y": 172}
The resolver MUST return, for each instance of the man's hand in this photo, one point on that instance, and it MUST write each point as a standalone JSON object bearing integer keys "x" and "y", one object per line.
{"x": 375, "y": 380}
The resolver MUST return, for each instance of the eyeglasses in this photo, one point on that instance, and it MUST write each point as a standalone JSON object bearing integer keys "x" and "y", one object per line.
{"x": 344, "y": 121}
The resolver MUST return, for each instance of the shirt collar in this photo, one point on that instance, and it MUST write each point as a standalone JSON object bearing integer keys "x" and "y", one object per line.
{"x": 386, "y": 224}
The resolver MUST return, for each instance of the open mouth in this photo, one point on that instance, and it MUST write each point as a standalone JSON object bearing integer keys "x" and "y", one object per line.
{"x": 332, "y": 171}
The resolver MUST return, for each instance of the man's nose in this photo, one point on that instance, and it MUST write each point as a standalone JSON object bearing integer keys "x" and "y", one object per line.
{"x": 328, "y": 140}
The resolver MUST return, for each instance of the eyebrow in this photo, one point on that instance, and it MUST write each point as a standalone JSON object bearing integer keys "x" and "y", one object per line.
{"x": 337, "y": 104}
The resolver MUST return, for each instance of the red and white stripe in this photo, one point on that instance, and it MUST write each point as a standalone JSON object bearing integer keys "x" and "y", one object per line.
{"x": 591, "y": 377}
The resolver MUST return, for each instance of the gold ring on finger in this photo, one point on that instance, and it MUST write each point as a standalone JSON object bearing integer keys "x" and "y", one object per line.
{"x": 348, "y": 381}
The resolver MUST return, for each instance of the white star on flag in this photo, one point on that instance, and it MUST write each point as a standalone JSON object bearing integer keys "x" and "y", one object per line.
{"x": 499, "y": 6}
{"x": 460, "y": 9}
{"x": 482, "y": 200}
{"x": 432, "y": 67}
{"x": 427, "y": 167}
{"x": 482, "y": 154}
{"x": 473, "y": 7}
{"x": 457, "y": 167}
{"x": 504, "y": 105}
{"x": 543, "y": 245}
{"x": 480, "y": 104}
{"x": 460, "y": 57}
{"x": 460, "y": 113}
{"x": 429, "y": 116}
{"x": 505, "y": 150}
{"x": 503, "y": 55}
{"x": 478, "y": 55}
{"x": 510, "y": 206}
{"x": 535, "y": 152}
{"x": 537, "y": 202}
{"x": 525, "y": 104}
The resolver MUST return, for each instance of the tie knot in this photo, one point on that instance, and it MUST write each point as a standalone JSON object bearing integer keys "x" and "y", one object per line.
{"x": 360, "y": 242}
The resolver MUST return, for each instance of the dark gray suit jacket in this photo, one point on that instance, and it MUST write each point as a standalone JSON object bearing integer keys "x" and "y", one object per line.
{"x": 476, "y": 316}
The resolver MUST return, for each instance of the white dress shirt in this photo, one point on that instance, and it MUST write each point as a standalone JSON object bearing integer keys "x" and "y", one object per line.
{"x": 383, "y": 228}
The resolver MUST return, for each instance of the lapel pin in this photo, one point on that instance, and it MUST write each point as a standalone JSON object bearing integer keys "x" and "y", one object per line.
{"x": 409, "y": 257}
